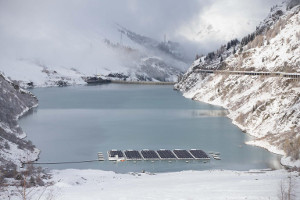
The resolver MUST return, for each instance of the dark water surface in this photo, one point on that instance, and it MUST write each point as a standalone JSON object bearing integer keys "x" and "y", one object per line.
{"x": 74, "y": 123}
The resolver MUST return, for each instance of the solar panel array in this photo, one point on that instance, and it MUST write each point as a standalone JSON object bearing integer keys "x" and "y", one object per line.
{"x": 149, "y": 155}
{"x": 166, "y": 154}
{"x": 161, "y": 154}
{"x": 114, "y": 153}
{"x": 182, "y": 154}
{"x": 133, "y": 155}
{"x": 199, "y": 154}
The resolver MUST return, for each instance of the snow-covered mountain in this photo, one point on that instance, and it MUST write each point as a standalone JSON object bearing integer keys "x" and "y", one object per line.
{"x": 265, "y": 107}
{"x": 14, "y": 102}
{"x": 69, "y": 60}
{"x": 146, "y": 59}
{"x": 164, "y": 48}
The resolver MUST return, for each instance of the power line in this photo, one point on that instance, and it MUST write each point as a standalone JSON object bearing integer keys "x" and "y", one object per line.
{"x": 58, "y": 163}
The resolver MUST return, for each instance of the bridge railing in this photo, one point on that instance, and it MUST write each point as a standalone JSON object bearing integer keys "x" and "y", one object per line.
{"x": 251, "y": 73}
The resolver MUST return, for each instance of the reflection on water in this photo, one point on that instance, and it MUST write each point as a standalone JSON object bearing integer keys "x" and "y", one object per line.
{"x": 209, "y": 113}
{"x": 74, "y": 123}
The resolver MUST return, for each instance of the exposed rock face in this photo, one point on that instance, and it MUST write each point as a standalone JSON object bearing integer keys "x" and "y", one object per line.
{"x": 156, "y": 69}
{"x": 14, "y": 102}
{"x": 172, "y": 49}
{"x": 265, "y": 107}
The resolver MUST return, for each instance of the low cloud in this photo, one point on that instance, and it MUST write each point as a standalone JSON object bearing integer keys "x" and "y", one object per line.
{"x": 222, "y": 21}
{"x": 69, "y": 33}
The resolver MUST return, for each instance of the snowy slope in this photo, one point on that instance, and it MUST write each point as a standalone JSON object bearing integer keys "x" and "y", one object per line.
{"x": 14, "y": 103}
{"x": 41, "y": 75}
{"x": 265, "y": 107}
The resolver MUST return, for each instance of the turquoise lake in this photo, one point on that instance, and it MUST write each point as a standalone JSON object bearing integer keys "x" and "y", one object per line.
{"x": 75, "y": 123}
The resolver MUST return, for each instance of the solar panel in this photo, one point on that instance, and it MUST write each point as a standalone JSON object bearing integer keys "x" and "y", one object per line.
{"x": 166, "y": 154}
{"x": 149, "y": 155}
{"x": 199, "y": 154}
{"x": 115, "y": 154}
{"x": 132, "y": 155}
{"x": 182, "y": 154}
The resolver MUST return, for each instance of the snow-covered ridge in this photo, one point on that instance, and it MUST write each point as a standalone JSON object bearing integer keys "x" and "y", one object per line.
{"x": 15, "y": 101}
{"x": 32, "y": 74}
{"x": 265, "y": 107}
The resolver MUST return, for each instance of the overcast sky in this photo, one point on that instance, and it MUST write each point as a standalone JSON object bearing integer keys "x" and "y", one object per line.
{"x": 201, "y": 25}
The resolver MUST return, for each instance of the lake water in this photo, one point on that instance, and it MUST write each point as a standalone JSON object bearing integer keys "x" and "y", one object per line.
{"x": 74, "y": 123}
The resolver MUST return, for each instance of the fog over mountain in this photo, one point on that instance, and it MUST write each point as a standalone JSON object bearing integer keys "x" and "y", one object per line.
{"x": 70, "y": 34}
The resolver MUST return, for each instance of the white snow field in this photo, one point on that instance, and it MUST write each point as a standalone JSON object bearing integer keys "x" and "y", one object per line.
{"x": 216, "y": 184}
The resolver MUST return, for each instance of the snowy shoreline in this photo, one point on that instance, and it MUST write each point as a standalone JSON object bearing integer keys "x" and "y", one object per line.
{"x": 285, "y": 161}
{"x": 261, "y": 144}
{"x": 207, "y": 184}
{"x": 210, "y": 184}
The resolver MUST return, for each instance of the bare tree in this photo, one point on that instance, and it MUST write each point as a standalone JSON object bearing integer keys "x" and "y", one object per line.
{"x": 28, "y": 191}
{"x": 282, "y": 191}
{"x": 291, "y": 187}
{"x": 287, "y": 189}
{"x": 31, "y": 186}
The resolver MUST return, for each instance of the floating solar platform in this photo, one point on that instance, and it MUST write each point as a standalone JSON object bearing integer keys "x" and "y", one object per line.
{"x": 199, "y": 154}
{"x": 149, "y": 155}
{"x": 166, "y": 154}
{"x": 163, "y": 154}
{"x": 133, "y": 155}
{"x": 182, "y": 154}
{"x": 115, "y": 155}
